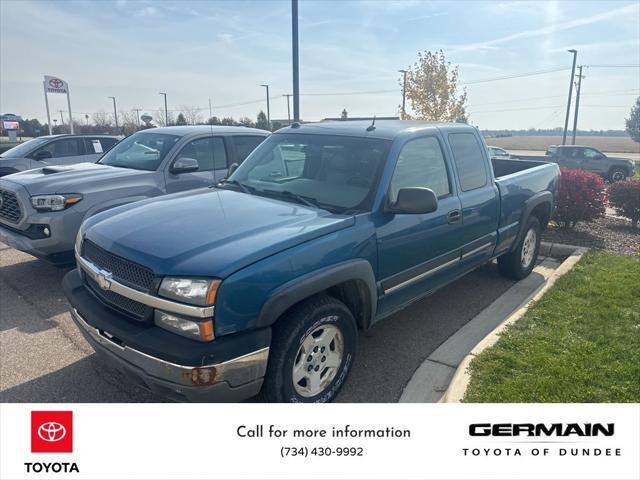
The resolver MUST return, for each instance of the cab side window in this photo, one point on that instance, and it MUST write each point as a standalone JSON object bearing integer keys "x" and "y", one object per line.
{"x": 245, "y": 145}
{"x": 421, "y": 164}
{"x": 591, "y": 153}
{"x": 65, "y": 147}
{"x": 210, "y": 153}
{"x": 470, "y": 162}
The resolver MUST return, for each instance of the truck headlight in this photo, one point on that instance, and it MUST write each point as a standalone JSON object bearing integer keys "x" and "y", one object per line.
{"x": 195, "y": 291}
{"x": 54, "y": 203}
{"x": 196, "y": 330}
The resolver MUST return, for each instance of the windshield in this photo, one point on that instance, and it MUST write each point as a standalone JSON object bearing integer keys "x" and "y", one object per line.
{"x": 332, "y": 172}
{"x": 25, "y": 148}
{"x": 140, "y": 151}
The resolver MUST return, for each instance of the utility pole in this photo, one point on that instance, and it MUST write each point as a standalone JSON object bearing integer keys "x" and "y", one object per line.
{"x": 166, "y": 112}
{"x": 115, "y": 112}
{"x": 268, "y": 112}
{"x": 575, "y": 113}
{"x": 296, "y": 66}
{"x": 288, "y": 95}
{"x": 566, "y": 118}
{"x": 404, "y": 92}
{"x": 86, "y": 117}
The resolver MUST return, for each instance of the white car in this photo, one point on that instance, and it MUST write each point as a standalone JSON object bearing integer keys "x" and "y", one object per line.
{"x": 498, "y": 152}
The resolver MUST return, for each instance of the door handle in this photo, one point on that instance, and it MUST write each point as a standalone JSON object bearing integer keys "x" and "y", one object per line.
{"x": 454, "y": 216}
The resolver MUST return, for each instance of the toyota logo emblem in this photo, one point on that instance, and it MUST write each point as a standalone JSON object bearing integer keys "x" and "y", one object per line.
{"x": 56, "y": 83}
{"x": 52, "y": 431}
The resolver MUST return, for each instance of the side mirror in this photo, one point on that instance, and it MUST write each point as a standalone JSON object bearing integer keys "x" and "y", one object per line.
{"x": 414, "y": 200}
{"x": 185, "y": 165}
{"x": 232, "y": 168}
{"x": 42, "y": 155}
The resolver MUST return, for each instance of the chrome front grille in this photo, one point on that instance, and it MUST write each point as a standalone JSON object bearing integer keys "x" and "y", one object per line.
{"x": 9, "y": 207}
{"x": 123, "y": 270}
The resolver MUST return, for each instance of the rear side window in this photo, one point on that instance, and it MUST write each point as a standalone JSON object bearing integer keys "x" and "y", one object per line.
{"x": 469, "y": 159}
{"x": 98, "y": 145}
{"x": 421, "y": 164}
{"x": 245, "y": 145}
{"x": 65, "y": 147}
{"x": 209, "y": 152}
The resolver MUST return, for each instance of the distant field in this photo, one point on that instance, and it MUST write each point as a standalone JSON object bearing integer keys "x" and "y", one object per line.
{"x": 606, "y": 144}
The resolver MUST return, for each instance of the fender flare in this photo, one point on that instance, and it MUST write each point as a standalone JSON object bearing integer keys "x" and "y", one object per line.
{"x": 298, "y": 289}
{"x": 530, "y": 204}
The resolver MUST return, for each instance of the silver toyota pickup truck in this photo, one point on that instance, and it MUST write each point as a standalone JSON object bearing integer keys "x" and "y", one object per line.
{"x": 41, "y": 210}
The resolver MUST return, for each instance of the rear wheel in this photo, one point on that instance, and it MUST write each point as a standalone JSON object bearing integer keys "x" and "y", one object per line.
{"x": 311, "y": 353}
{"x": 617, "y": 174}
{"x": 519, "y": 263}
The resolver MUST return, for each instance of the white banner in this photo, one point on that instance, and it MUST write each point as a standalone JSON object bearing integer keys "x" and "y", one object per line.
{"x": 55, "y": 85}
{"x": 345, "y": 441}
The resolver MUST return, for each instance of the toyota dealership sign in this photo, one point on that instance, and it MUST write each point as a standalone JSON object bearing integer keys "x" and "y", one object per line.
{"x": 55, "y": 85}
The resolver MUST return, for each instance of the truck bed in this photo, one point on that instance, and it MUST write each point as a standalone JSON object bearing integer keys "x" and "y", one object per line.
{"x": 517, "y": 182}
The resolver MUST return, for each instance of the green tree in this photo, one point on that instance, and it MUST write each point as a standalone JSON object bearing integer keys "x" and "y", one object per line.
{"x": 181, "y": 120}
{"x": 247, "y": 122}
{"x": 229, "y": 121}
{"x": 214, "y": 121}
{"x": 432, "y": 89}
{"x": 633, "y": 122}
{"x": 261, "y": 121}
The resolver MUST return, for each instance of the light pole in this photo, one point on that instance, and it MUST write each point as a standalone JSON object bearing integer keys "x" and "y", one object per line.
{"x": 137, "y": 110}
{"x": 575, "y": 112}
{"x": 566, "y": 118}
{"x": 115, "y": 112}
{"x": 166, "y": 112}
{"x": 404, "y": 91}
{"x": 288, "y": 95}
{"x": 268, "y": 111}
{"x": 295, "y": 62}
{"x": 86, "y": 117}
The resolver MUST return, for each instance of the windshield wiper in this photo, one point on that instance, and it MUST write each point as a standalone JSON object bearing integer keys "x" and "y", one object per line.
{"x": 243, "y": 187}
{"x": 309, "y": 201}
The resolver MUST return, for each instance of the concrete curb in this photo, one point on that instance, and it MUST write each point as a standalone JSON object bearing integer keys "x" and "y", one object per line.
{"x": 441, "y": 376}
{"x": 460, "y": 381}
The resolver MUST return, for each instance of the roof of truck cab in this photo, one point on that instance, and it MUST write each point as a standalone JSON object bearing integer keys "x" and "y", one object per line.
{"x": 184, "y": 130}
{"x": 387, "y": 129}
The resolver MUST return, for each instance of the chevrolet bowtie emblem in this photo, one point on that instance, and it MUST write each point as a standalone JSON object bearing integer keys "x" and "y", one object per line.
{"x": 104, "y": 279}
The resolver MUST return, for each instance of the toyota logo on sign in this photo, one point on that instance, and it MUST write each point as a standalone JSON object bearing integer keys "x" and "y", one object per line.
{"x": 52, "y": 431}
{"x": 56, "y": 83}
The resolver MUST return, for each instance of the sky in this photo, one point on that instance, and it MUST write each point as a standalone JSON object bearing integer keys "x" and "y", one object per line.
{"x": 350, "y": 52}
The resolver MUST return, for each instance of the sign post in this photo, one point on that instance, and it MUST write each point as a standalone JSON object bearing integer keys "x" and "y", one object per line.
{"x": 46, "y": 102}
{"x": 56, "y": 85}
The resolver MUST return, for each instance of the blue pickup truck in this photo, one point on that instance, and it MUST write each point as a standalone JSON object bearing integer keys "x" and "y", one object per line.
{"x": 261, "y": 283}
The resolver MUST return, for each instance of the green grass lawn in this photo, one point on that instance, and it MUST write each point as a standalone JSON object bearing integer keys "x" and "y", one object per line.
{"x": 579, "y": 343}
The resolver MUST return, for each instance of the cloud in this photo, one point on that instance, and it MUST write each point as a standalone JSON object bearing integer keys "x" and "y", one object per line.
{"x": 548, "y": 30}
{"x": 225, "y": 37}
{"x": 148, "y": 11}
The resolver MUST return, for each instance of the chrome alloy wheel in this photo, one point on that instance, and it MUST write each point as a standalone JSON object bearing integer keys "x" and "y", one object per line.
{"x": 318, "y": 360}
{"x": 528, "y": 248}
{"x": 618, "y": 176}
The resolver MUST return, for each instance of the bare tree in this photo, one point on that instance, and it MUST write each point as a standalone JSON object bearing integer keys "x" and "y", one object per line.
{"x": 128, "y": 121}
{"x": 160, "y": 119}
{"x": 191, "y": 114}
{"x": 102, "y": 121}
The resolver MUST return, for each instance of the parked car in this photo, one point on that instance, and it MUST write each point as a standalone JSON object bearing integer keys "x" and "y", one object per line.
{"x": 614, "y": 169}
{"x": 498, "y": 152}
{"x": 42, "y": 209}
{"x": 55, "y": 150}
{"x": 261, "y": 284}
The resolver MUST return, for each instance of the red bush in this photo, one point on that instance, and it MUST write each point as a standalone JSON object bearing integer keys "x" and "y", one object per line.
{"x": 582, "y": 197}
{"x": 625, "y": 198}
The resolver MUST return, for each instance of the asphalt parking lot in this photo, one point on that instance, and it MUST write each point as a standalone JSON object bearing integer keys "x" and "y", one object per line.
{"x": 44, "y": 358}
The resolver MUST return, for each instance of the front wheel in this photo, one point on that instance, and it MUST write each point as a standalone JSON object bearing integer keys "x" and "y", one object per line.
{"x": 617, "y": 174}
{"x": 519, "y": 263}
{"x": 311, "y": 353}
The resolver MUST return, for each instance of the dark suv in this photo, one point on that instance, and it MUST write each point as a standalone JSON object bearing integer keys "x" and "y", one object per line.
{"x": 592, "y": 160}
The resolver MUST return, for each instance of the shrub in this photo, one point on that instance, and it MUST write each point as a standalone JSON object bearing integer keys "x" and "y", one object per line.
{"x": 581, "y": 198}
{"x": 625, "y": 198}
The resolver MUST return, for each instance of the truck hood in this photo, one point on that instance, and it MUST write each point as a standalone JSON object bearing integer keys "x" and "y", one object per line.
{"x": 77, "y": 178}
{"x": 208, "y": 232}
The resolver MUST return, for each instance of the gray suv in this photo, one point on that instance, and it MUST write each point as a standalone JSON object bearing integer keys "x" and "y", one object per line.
{"x": 55, "y": 150}
{"x": 41, "y": 209}
{"x": 614, "y": 169}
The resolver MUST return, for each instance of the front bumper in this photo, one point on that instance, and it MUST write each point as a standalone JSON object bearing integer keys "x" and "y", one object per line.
{"x": 230, "y": 368}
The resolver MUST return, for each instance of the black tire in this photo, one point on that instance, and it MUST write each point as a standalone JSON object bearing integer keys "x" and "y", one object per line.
{"x": 289, "y": 334}
{"x": 617, "y": 174}
{"x": 510, "y": 264}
